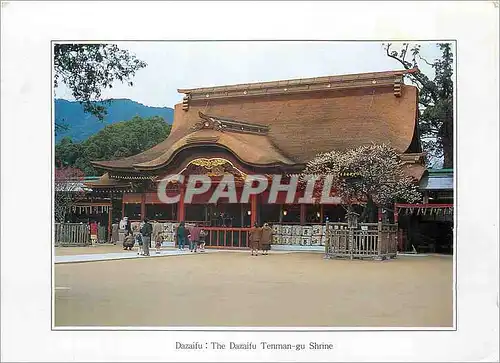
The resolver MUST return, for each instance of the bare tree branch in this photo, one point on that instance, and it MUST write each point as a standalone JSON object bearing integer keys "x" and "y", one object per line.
{"x": 417, "y": 76}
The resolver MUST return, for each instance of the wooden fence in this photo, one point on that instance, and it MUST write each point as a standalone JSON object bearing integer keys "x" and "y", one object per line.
{"x": 71, "y": 234}
{"x": 373, "y": 241}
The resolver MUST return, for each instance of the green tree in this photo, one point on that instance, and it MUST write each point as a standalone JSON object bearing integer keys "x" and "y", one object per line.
{"x": 436, "y": 98}
{"x": 115, "y": 141}
{"x": 87, "y": 69}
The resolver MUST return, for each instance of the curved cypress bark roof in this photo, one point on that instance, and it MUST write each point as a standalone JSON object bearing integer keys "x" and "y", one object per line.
{"x": 288, "y": 122}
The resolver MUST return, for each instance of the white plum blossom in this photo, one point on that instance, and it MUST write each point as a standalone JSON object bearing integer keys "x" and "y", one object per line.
{"x": 379, "y": 174}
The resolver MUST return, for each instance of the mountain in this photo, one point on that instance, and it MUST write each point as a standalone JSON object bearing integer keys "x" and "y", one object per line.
{"x": 82, "y": 125}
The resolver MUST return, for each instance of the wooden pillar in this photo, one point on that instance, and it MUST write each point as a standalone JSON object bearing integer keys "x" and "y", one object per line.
{"x": 253, "y": 209}
{"x": 281, "y": 213}
{"x": 143, "y": 206}
{"x": 123, "y": 208}
{"x": 379, "y": 214}
{"x": 110, "y": 219}
{"x": 242, "y": 214}
{"x": 303, "y": 209}
{"x": 396, "y": 214}
{"x": 321, "y": 213}
{"x": 181, "y": 212}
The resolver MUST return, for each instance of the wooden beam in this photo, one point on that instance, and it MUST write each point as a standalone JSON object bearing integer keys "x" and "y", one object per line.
{"x": 406, "y": 205}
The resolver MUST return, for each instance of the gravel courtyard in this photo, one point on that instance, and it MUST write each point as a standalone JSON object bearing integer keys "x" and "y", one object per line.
{"x": 235, "y": 289}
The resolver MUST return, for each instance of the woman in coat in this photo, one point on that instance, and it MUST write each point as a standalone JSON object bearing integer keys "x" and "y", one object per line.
{"x": 266, "y": 238}
{"x": 157, "y": 235}
{"x": 181, "y": 235}
{"x": 254, "y": 239}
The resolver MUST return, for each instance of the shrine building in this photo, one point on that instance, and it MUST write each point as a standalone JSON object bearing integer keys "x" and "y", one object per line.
{"x": 264, "y": 128}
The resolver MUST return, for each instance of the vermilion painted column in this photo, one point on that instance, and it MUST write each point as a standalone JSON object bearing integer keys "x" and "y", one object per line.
{"x": 303, "y": 214}
{"x": 181, "y": 212}
{"x": 253, "y": 209}
{"x": 110, "y": 220}
{"x": 143, "y": 206}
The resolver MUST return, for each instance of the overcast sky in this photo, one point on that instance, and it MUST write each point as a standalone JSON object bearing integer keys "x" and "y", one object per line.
{"x": 173, "y": 65}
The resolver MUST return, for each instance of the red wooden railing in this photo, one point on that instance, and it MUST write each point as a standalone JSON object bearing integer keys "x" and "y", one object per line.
{"x": 227, "y": 237}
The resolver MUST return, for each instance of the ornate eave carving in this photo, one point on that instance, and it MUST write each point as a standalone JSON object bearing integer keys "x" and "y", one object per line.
{"x": 213, "y": 167}
{"x": 228, "y": 125}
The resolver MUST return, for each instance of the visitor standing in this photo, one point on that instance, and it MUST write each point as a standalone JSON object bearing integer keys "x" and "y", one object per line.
{"x": 114, "y": 233}
{"x": 93, "y": 232}
{"x": 157, "y": 235}
{"x": 266, "y": 238}
{"x": 254, "y": 239}
{"x": 181, "y": 235}
{"x": 128, "y": 225}
{"x": 203, "y": 236}
{"x": 146, "y": 231}
{"x": 137, "y": 238}
{"x": 195, "y": 238}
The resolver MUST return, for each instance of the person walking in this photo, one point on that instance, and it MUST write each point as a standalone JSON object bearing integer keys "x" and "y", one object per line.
{"x": 181, "y": 235}
{"x": 266, "y": 238}
{"x": 254, "y": 239}
{"x": 195, "y": 238}
{"x": 146, "y": 231}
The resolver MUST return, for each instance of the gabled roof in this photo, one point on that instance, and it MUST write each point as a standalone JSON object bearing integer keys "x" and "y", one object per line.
{"x": 437, "y": 180}
{"x": 289, "y": 122}
{"x": 374, "y": 79}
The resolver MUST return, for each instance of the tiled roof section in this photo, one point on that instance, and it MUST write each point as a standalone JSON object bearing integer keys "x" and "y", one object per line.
{"x": 106, "y": 182}
{"x": 437, "y": 181}
{"x": 375, "y": 79}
